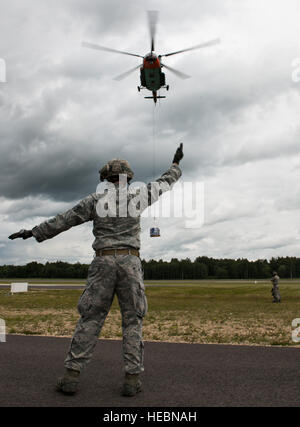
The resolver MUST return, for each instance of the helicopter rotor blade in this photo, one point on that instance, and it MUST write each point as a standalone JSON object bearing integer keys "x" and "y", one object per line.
{"x": 199, "y": 46}
{"x": 123, "y": 75}
{"x": 152, "y": 21}
{"x": 178, "y": 73}
{"x": 107, "y": 49}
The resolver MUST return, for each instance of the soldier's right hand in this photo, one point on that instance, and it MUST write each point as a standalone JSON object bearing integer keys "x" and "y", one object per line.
{"x": 22, "y": 234}
{"x": 178, "y": 155}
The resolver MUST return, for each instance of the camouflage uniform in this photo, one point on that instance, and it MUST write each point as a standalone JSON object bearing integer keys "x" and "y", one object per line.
{"x": 275, "y": 288}
{"x": 109, "y": 274}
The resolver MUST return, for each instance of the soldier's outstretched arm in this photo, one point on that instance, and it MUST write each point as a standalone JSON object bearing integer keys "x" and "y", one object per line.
{"x": 167, "y": 180}
{"x": 81, "y": 213}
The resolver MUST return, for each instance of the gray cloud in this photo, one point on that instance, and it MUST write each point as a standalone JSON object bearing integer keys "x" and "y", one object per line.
{"x": 62, "y": 115}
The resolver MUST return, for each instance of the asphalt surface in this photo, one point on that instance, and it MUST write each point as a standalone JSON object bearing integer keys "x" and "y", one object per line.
{"x": 176, "y": 375}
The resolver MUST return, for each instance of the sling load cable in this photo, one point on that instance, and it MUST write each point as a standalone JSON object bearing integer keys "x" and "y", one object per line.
{"x": 154, "y": 231}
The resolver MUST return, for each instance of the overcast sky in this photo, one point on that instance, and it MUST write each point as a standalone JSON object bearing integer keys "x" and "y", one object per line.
{"x": 63, "y": 117}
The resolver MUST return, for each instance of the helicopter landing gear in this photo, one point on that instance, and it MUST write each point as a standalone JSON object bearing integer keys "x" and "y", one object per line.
{"x": 138, "y": 88}
{"x": 167, "y": 87}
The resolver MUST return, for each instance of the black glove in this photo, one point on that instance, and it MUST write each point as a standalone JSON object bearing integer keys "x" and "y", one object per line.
{"x": 178, "y": 155}
{"x": 22, "y": 234}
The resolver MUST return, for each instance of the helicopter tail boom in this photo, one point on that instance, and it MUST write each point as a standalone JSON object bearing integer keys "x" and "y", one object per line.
{"x": 154, "y": 97}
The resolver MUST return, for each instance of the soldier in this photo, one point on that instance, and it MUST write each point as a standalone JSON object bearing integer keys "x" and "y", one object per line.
{"x": 275, "y": 289}
{"x": 116, "y": 269}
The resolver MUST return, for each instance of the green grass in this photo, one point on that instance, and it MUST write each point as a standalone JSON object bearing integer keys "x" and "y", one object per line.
{"x": 236, "y": 312}
{"x": 46, "y": 281}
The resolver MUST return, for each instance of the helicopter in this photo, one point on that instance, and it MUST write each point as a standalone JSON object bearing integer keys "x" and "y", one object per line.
{"x": 151, "y": 75}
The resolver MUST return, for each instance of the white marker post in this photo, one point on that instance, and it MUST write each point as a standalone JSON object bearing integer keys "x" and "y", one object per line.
{"x": 2, "y": 331}
{"x": 18, "y": 287}
{"x": 2, "y": 71}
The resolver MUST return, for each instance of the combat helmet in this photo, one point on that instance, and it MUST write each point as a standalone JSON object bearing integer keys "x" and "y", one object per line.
{"x": 114, "y": 168}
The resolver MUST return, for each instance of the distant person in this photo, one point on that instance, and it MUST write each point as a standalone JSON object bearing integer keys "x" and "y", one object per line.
{"x": 116, "y": 269}
{"x": 275, "y": 287}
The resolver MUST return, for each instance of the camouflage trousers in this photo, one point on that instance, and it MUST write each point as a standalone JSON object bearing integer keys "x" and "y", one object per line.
{"x": 109, "y": 275}
{"x": 276, "y": 294}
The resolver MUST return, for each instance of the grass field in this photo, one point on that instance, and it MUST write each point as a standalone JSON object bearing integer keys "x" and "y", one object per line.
{"x": 231, "y": 312}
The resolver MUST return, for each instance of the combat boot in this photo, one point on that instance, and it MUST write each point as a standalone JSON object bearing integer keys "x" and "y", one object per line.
{"x": 132, "y": 385}
{"x": 68, "y": 384}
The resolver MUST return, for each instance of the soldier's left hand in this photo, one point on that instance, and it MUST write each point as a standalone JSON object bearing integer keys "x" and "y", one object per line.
{"x": 22, "y": 234}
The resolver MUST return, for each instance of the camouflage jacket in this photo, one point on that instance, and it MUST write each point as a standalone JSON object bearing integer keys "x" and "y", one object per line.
{"x": 111, "y": 231}
{"x": 275, "y": 280}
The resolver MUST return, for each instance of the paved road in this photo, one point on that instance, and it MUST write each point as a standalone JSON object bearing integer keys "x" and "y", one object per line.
{"x": 175, "y": 375}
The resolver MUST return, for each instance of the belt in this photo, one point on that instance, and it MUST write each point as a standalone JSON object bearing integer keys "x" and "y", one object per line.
{"x": 118, "y": 252}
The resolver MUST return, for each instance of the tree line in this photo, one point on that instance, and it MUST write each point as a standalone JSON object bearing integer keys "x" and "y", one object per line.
{"x": 201, "y": 268}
